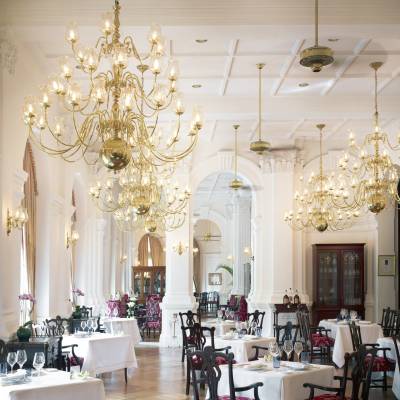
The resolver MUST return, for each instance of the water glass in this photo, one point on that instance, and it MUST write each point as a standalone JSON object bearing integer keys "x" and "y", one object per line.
{"x": 83, "y": 325}
{"x": 258, "y": 331}
{"x": 38, "y": 361}
{"x": 12, "y": 359}
{"x": 89, "y": 325}
{"x": 298, "y": 348}
{"x": 3, "y": 368}
{"x": 21, "y": 358}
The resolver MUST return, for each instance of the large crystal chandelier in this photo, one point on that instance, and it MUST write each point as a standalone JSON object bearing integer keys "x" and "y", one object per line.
{"x": 118, "y": 117}
{"x": 142, "y": 195}
{"x": 316, "y": 203}
{"x": 370, "y": 170}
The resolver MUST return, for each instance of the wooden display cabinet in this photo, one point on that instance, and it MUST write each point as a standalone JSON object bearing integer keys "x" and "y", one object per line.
{"x": 338, "y": 274}
{"x": 147, "y": 281}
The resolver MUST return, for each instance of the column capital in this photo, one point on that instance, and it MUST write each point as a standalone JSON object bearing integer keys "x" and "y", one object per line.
{"x": 281, "y": 161}
{"x": 8, "y": 52}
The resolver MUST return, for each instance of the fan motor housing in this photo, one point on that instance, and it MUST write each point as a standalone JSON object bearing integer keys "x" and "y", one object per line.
{"x": 316, "y": 57}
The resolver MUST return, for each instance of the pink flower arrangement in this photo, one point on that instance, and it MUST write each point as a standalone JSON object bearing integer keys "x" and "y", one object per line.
{"x": 78, "y": 292}
{"x": 26, "y": 296}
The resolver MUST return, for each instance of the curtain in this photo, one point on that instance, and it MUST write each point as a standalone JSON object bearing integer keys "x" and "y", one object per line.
{"x": 73, "y": 256}
{"x": 143, "y": 253}
{"x": 29, "y": 203}
{"x": 157, "y": 254}
{"x": 196, "y": 266}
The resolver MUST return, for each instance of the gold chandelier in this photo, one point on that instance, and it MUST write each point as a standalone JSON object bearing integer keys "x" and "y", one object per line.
{"x": 236, "y": 182}
{"x": 370, "y": 170}
{"x": 118, "y": 118}
{"x": 142, "y": 196}
{"x": 259, "y": 146}
{"x": 316, "y": 204}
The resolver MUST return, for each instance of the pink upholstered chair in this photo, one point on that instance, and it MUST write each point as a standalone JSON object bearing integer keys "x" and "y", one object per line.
{"x": 241, "y": 313}
{"x": 153, "y": 314}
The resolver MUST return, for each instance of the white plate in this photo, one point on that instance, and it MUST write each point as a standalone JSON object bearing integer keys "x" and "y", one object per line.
{"x": 255, "y": 367}
{"x": 50, "y": 369}
{"x": 295, "y": 366}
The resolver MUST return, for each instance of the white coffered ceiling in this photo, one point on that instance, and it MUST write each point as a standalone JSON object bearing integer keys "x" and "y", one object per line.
{"x": 240, "y": 34}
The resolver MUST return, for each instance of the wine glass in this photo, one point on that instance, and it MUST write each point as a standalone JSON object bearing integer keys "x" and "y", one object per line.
{"x": 38, "y": 361}
{"x": 83, "y": 325}
{"x": 21, "y": 358}
{"x": 288, "y": 348}
{"x": 95, "y": 325}
{"x": 12, "y": 359}
{"x": 298, "y": 348}
{"x": 89, "y": 325}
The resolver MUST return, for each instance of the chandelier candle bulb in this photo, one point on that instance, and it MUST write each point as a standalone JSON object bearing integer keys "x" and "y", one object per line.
{"x": 72, "y": 33}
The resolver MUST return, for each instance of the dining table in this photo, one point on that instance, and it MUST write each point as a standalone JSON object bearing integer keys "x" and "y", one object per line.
{"x": 126, "y": 326}
{"x": 340, "y": 331}
{"x": 242, "y": 348}
{"x": 55, "y": 385}
{"x": 283, "y": 383}
{"x": 221, "y": 326}
{"x": 104, "y": 352}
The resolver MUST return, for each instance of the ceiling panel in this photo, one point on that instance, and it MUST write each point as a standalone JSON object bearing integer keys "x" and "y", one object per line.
{"x": 186, "y": 44}
{"x": 245, "y": 66}
{"x": 361, "y": 65}
{"x": 248, "y": 86}
{"x": 265, "y": 45}
{"x": 204, "y": 66}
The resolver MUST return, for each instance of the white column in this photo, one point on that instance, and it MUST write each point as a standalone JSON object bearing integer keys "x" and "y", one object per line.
{"x": 179, "y": 279}
{"x": 241, "y": 239}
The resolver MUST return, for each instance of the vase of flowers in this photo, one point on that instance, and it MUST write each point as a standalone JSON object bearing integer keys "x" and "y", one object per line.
{"x": 24, "y": 333}
{"x": 26, "y": 301}
{"x": 75, "y": 294}
{"x": 130, "y": 305}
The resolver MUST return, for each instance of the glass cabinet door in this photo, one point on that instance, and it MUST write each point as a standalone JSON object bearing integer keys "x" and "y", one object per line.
{"x": 351, "y": 266}
{"x": 157, "y": 282}
{"x": 328, "y": 278}
{"x": 137, "y": 284}
{"x": 146, "y": 284}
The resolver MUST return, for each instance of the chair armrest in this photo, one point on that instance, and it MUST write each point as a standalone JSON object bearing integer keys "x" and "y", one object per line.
{"x": 313, "y": 386}
{"x": 223, "y": 349}
{"x": 259, "y": 347}
{"x": 248, "y": 387}
{"x": 72, "y": 347}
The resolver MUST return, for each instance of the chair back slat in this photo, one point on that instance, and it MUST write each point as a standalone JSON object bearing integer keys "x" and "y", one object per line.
{"x": 189, "y": 318}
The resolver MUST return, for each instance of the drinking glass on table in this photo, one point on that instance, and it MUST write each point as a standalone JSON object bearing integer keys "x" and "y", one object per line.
{"x": 83, "y": 325}
{"x": 298, "y": 348}
{"x": 95, "y": 326}
{"x": 21, "y": 358}
{"x": 288, "y": 348}
{"x": 12, "y": 359}
{"x": 38, "y": 361}
{"x": 90, "y": 325}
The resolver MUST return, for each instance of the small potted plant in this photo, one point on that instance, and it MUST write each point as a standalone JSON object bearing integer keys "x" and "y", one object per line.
{"x": 24, "y": 333}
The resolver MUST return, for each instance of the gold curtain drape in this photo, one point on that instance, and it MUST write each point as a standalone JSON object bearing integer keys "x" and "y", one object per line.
{"x": 143, "y": 253}
{"x": 29, "y": 203}
{"x": 157, "y": 254}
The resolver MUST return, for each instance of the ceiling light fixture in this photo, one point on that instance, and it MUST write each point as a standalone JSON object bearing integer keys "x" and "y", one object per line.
{"x": 201, "y": 40}
{"x": 259, "y": 146}
{"x": 369, "y": 168}
{"x": 316, "y": 202}
{"x": 316, "y": 57}
{"x": 112, "y": 120}
{"x": 196, "y": 86}
{"x": 303, "y": 84}
{"x": 236, "y": 182}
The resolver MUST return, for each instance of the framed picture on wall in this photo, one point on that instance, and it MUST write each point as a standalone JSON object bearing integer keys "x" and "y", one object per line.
{"x": 215, "y": 278}
{"x": 387, "y": 265}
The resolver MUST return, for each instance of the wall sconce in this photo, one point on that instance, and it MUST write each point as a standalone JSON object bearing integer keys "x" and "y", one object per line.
{"x": 195, "y": 251}
{"x": 247, "y": 251}
{"x": 16, "y": 220}
{"x": 230, "y": 257}
{"x": 72, "y": 238}
{"x": 123, "y": 258}
{"x": 180, "y": 248}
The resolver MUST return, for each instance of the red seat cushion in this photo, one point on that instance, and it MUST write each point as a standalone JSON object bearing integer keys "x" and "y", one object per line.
{"x": 227, "y": 397}
{"x": 319, "y": 340}
{"x": 382, "y": 364}
{"x": 327, "y": 396}
{"x": 75, "y": 362}
{"x": 196, "y": 361}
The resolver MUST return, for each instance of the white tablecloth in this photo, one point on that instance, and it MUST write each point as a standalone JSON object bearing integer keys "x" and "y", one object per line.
{"x": 388, "y": 343}
{"x": 370, "y": 333}
{"x": 241, "y": 348}
{"x": 127, "y": 326}
{"x": 279, "y": 384}
{"x": 221, "y": 327}
{"x": 103, "y": 352}
{"x": 55, "y": 386}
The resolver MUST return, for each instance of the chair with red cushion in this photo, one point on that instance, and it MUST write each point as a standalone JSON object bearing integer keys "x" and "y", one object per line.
{"x": 381, "y": 363}
{"x": 153, "y": 314}
{"x": 233, "y": 303}
{"x": 316, "y": 338}
{"x": 208, "y": 373}
{"x": 188, "y": 318}
{"x": 360, "y": 377}
{"x": 241, "y": 313}
{"x": 195, "y": 338}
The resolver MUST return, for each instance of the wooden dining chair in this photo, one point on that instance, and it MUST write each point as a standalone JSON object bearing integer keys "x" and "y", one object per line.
{"x": 388, "y": 321}
{"x": 362, "y": 362}
{"x": 195, "y": 339}
{"x": 256, "y": 319}
{"x": 208, "y": 372}
{"x": 188, "y": 319}
{"x": 381, "y": 363}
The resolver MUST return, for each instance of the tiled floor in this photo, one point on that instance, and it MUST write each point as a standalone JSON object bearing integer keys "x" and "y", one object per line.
{"x": 161, "y": 375}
